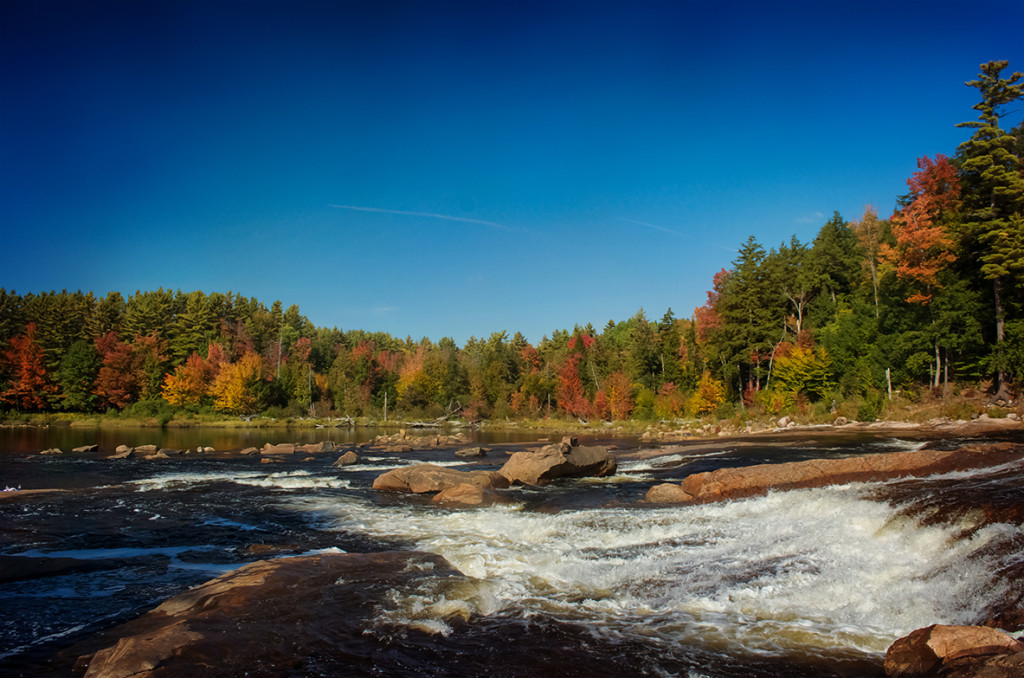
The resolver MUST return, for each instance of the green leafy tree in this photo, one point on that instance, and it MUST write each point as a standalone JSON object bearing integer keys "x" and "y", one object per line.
{"x": 76, "y": 375}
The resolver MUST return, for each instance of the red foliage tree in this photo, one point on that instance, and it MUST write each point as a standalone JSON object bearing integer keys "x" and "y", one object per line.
{"x": 923, "y": 247}
{"x": 129, "y": 371}
{"x": 23, "y": 361}
{"x": 569, "y": 391}
{"x": 706, "y": 316}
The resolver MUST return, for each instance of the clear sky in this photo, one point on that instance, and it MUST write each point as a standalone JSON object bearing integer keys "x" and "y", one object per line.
{"x": 460, "y": 168}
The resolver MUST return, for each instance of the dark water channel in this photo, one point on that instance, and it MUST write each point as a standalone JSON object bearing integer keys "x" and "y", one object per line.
{"x": 573, "y": 578}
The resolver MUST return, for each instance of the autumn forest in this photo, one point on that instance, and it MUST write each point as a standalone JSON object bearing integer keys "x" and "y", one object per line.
{"x": 930, "y": 297}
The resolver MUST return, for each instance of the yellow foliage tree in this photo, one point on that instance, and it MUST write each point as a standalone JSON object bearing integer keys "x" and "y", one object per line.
{"x": 236, "y": 388}
{"x": 709, "y": 394}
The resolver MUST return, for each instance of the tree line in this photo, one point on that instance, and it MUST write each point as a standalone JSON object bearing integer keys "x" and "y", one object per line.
{"x": 929, "y": 296}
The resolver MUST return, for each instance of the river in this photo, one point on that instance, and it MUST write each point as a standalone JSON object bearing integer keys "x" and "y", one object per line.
{"x": 574, "y": 578}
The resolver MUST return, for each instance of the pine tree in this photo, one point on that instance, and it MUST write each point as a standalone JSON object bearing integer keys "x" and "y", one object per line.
{"x": 994, "y": 194}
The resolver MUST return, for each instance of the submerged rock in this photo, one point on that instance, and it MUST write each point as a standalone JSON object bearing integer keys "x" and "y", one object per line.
{"x": 734, "y": 483}
{"x": 430, "y": 478}
{"x": 557, "y": 461}
{"x": 286, "y": 613}
{"x": 955, "y": 651}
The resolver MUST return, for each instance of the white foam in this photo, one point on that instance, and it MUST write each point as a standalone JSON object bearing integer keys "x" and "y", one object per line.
{"x": 781, "y": 573}
{"x": 286, "y": 480}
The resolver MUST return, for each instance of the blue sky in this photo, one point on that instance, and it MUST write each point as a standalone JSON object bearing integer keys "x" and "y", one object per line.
{"x": 460, "y": 168}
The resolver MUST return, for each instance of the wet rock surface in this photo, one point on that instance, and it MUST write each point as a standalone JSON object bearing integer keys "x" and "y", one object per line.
{"x": 432, "y": 478}
{"x": 288, "y": 616}
{"x": 735, "y": 483}
{"x": 960, "y": 651}
{"x": 561, "y": 460}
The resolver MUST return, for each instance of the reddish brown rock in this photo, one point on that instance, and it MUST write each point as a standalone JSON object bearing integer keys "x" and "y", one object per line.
{"x": 466, "y": 495}
{"x": 666, "y": 493}
{"x": 734, "y": 483}
{"x": 555, "y": 461}
{"x": 316, "y": 448}
{"x": 249, "y": 451}
{"x": 280, "y": 448}
{"x": 927, "y": 650}
{"x": 430, "y": 478}
{"x": 254, "y": 616}
{"x": 347, "y": 459}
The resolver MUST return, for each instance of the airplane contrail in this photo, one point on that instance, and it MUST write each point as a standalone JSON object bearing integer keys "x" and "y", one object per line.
{"x": 432, "y": 215}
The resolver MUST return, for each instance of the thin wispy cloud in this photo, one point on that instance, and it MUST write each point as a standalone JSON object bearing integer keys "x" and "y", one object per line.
{"x": 673, "y": 232}
{"x": 655, "y": 226}
{"x": 811, "y": 219}
{"x": 431, "y": 215}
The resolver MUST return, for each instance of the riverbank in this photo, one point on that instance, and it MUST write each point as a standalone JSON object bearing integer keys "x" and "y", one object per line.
{"x": 959, "y": 416}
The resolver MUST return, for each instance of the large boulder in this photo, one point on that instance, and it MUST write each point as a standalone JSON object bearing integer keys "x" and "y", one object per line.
{"x": 734, "y": 483}
{"x": 557, "y": 461}
{"x": 291, "y": 614}
{"x": 431, "y": 478}
{"x": 347, "y": 459}
{"x": 956, "y": 650}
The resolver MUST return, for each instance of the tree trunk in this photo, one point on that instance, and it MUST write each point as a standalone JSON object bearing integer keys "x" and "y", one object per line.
{"x": 1002, "y": 387}
{"x": 938, "y": 366}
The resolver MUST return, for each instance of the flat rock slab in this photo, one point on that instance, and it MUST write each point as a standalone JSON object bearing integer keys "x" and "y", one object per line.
{"x": 747, "y": 481}
{"x": 291, "y": 614}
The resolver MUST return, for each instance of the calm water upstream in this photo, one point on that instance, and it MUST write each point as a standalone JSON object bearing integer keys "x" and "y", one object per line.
{"x": 570, "y": 579}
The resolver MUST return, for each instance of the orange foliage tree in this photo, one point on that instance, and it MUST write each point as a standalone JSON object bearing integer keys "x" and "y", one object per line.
{"x": 189, "y": 383}
{"x": 923, "y": 245}
{"x": 27, "y": 386}
{"x": 620, "y": 395}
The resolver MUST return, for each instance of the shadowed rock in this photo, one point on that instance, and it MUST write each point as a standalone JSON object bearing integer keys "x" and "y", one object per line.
{"x": 86, "y": 448}
{"x": 557, "y": 461}
{"x": 347, "y": 459}
{"x": 287, "y": 613}
{"x": 734, "y": 483}
{"x": 431, "y": 478}
{"x": 955, "y": 650}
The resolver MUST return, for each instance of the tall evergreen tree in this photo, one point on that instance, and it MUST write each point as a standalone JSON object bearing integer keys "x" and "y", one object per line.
{"x": 994, "y": 194}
